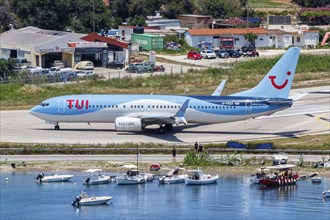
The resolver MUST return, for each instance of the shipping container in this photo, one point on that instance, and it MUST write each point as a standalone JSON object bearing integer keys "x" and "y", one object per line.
{"x": 148, "y": 41}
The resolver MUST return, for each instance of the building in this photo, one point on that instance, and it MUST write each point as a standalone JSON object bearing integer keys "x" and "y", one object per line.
{"x": 118, "y": 50}
{"x": 279, "y": 38}
{"x": 213, "y": 37}
{"x": 195, "y": 21}
{"x": 301, "y": 36}
{"x": 41, "y": 47}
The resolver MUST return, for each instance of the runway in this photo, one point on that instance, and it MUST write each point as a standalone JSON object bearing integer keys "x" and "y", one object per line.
{"x": 308, "y": 116}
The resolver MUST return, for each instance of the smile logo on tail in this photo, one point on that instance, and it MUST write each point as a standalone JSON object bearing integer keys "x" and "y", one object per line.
{"x": 272, "y": 79}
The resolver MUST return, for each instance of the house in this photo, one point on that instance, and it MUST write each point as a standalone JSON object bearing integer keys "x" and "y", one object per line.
{"x": 159, "y": 22}
{"x": 195, "y": 21}
{"x": 279, "y": 38}
{"x": 301, "y": 36}
{"x": 194, "y": 37}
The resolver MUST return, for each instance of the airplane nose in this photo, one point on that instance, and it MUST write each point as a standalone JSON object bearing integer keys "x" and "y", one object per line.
{"x": 33, "y": 111}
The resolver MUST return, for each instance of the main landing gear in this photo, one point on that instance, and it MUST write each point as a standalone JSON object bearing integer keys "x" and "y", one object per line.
{"x": 57, "y": 127}
{"x": 164, "y": 128}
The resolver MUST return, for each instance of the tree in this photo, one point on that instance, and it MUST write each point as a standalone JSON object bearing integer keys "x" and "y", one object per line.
{"x": 221, "y": 8}
{"x": 7, "y": 16}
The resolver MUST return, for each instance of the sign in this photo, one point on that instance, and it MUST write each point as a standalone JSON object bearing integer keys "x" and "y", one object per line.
{"x": 57, "y": 49}
{"x": 87, "y": 44}
{"x": 152, "y": 57}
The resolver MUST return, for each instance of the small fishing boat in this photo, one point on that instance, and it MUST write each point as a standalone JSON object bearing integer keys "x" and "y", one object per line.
{"x": 176, "y": 175}
{"x": 132, "y": 176}
{"x": 53, "y": 178}
{"x": 197, "y": 177}
{"x": 326, "y": 193}
{"x": 96, "y": 177}
{"x": 283, "y": 176}
{"x": 83, "y": 199}
{"x": 316, "y": 179}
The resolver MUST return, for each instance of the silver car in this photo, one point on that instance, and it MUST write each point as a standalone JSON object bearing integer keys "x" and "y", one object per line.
{"x": 208, "y": 54}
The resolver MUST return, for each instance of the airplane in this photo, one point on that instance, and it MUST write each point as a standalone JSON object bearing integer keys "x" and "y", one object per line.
{"x": 133, "y": 113}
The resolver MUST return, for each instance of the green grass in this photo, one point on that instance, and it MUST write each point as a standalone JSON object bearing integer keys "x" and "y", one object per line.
{"x": 263, "y": 4}
{"x": 243, "y": 75}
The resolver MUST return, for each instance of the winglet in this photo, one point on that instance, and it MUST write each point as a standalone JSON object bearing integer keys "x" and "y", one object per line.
{"x": 218, "y": 90}
{"x": 179, "y": 116}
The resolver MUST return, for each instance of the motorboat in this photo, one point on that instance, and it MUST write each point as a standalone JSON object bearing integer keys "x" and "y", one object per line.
{"x": 53, "y": 178}
{"x": 176, "y": 175}
{"x": 280, "y": 158}
{"x": 95, "y": 177}
{"x": 154, "y": 167}
{"x": 326, "y": 193}
{"x": 316, "y": 179}
{"x": 197, "y": 177}
{"x": 282, "y": 176}
{"x": 261, "y": 173}
{"x": 83, "y": 199}
{"x": 131, "y": 177}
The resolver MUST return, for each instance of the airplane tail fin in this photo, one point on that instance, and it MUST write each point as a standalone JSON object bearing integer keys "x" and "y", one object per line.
{"x": 277, "y": 83}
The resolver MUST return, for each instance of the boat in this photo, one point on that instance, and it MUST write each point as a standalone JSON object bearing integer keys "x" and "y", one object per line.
{"x": 283, "y": 176}
{"x": 197, "y": 177}
{"x": 154, "y": 167}
{"x": 176, "y": 175}
{"x": 261, "y": 173}
{"x": 280, "y": 158}
{"x": 53, "y": 178}
{"x": 308, "y": 176}
{"x": 83, "y": 199}
{"x": 131, "y": 177}
{"x": 326, "y": 193}
{"x": 96, "y": 177}
{"x": 316, "y": 179}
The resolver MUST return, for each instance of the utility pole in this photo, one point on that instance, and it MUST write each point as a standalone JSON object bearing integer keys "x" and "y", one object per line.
{"x": 93, "y": 2}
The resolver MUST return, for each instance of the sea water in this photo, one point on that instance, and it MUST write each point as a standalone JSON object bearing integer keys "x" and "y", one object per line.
{"x": 233, "y": 197}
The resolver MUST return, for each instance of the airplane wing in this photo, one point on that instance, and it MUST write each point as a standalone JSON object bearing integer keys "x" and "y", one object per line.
{"x": 163, "y": 117}
{"x": 218, "y": 90}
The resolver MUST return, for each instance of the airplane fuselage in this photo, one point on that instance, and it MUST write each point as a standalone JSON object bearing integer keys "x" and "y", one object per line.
{"x": 106, "y": 108}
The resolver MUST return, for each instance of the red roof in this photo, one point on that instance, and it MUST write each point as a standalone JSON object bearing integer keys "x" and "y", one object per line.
{"x": 232, "y": 31}
{"x": 109, "y": 40}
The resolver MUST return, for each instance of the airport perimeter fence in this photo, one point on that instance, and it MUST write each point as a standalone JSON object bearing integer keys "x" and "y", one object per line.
{"x": 37, "y": 78}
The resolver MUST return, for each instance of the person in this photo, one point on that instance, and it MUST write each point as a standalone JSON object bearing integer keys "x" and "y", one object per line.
{"x": 196, "y": 146}
{"x": 174, "y": 154}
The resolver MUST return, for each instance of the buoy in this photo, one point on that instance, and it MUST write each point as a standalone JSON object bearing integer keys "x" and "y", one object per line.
{"x": 6, "y": 178}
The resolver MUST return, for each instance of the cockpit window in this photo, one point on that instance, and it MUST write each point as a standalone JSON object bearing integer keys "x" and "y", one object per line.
{"x": 44, "y": 104}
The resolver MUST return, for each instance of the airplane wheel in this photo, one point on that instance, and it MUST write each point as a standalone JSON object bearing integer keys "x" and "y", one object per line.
{"x": 168, "y": 127}
{"x": 57, "y": 127}
{"x": 161, "y": 130}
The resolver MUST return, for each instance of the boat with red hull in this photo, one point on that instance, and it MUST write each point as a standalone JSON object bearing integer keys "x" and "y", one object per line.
{"x": 283, "y": 176}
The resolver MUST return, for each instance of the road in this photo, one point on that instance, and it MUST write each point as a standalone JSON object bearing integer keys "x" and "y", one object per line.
{"x": 308, "y": 116}
{"x": 151, "y": 158}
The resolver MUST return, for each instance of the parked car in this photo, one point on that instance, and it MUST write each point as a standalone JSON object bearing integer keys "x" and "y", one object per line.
{"x": 115, "y": 65}
{"x": 208, "y": 54}
{"x": 248, "y": 47}
{"x": 84, "y": 73}
{"x": 194, "y": 55}
{"x": 85, "y": 65}
{"x": 58, "y": 63}
{"x": 148, "y": 67}
{"x": 221, "y": 53}
{"x": 135, "y": 68}
{"x": 251, "y": 53}
{"x": 159, "y": 68}
{"x": 233, "y": 53}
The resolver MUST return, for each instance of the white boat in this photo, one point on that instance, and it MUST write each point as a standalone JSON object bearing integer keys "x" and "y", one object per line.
{"x": 280, "y": 158}
{"x": 132, "y": 176}
{"x": 316, "y": 179}
{"x": 176, "y": 175}
{"x": 53, "y": 178}
{"x": 261, "y": 173}
{"x": 83, "y": 199}
{"x": 326, "y": 193}
{"x": 96, "y": 177}
{"x": 197, "y": 177}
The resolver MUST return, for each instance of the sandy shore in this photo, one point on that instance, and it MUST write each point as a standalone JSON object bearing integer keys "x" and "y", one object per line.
{"x": 78, "y": 166}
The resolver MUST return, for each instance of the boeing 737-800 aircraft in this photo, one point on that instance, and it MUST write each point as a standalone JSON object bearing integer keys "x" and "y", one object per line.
{"x": 135, "y": 112}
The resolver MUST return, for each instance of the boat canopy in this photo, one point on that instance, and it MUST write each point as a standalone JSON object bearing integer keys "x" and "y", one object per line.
{"x": 129, "y": 166}
{"x": 281, "y": 167}
{"x": 93, "y": 170}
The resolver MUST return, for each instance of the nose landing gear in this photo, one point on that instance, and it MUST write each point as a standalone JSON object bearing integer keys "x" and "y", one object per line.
{"x": 57, "y": 127}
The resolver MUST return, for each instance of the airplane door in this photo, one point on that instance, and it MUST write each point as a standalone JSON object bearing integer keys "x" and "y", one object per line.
{"x": 248, "y": 107}
{"x": 61, "y": 106}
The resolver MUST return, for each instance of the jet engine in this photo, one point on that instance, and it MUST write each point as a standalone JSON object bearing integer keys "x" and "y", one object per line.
{"x": 129, "y": 124}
